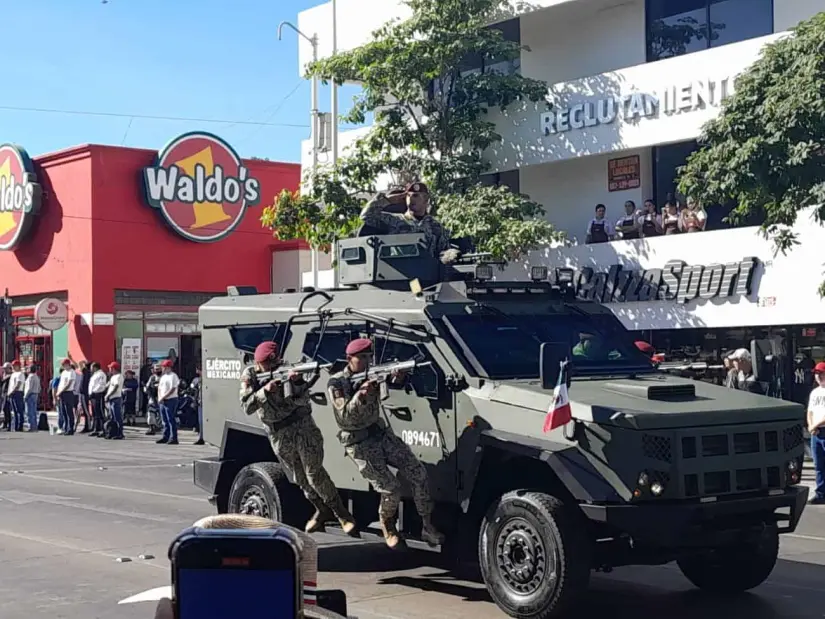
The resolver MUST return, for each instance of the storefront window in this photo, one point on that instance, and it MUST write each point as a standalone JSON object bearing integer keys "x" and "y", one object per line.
{"x": 678, "y": 27}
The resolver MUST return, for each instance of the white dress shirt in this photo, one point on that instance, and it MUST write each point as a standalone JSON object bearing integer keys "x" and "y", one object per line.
{"x": 115, "y": 388}
{"x": 67, "y": 378}
{"x": 32, "y": 385}
{"x": 97, "y": 384}
{"x": 168, "y": 387}
{"x": 17, "y": 381}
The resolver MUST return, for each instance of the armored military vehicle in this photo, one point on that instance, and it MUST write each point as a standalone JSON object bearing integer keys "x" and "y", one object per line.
{"x": 652, "y": 469}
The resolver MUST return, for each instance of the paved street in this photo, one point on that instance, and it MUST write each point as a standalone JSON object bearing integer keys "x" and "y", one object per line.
{"x": 71, "y": 506}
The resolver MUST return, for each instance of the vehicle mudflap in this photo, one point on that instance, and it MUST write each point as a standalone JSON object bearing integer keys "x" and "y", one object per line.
{"x": 215, "y": 476}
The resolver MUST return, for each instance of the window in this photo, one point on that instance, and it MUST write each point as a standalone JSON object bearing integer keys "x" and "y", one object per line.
{"x": 507, "y": 346}
{"x": 678, "y": 27}
{"x": 424, "y": 381}
{"x": 334, "y": 344}
{"x": 247, "y": 338}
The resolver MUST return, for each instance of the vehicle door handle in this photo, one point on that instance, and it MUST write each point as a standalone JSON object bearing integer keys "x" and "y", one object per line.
{"x": 402, "y": 413}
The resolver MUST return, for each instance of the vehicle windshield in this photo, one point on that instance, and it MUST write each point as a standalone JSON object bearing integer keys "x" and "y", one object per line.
{"x": 508, "y": 345}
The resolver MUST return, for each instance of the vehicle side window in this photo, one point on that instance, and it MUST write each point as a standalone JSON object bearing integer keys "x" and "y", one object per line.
{"x": 424, "y": 381}
{"x": 247, "y": 338}
{"x": 334, "y": 343}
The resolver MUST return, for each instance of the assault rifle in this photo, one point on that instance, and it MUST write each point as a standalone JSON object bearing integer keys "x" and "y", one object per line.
{"x": 382, "y": 373}
{"x": 281, "y": 375}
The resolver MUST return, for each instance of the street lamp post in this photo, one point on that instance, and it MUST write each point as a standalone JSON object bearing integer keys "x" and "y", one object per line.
{"x": 313, "y": 40}
{"x": 334, "y": 121}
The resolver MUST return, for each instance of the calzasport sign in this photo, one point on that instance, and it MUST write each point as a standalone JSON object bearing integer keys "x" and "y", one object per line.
{"x": 677, "y": 281}
{"x": 223, "y": 369}
{"x": 201, "y": 187}
{"x": 20, "y": 196}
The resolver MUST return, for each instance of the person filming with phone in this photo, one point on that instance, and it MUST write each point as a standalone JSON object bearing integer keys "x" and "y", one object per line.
{"x": 295, "y": 439}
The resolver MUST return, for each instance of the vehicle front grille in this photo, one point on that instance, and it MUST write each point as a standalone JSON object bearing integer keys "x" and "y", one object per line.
{"x": 657, "y": 447}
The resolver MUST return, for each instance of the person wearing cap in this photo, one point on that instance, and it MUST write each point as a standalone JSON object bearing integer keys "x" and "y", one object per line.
{"x": 745, "y": 378}
{"x": 296, "y": 440}
{"x": 168, "y": 402}
{"x": 14, "y": 393}
{"x": 150, "y": 389}
{"x": 415, "y": 219}
{"x": 65, "y": 398}
{"x": 373, "y": 447}
{"x": 31, "y": 395}
{"x": 114, "y": 400}
{"x": 816, "y": 426}
{"x": 84, "y": 409}
{"x": 5, "y": 406}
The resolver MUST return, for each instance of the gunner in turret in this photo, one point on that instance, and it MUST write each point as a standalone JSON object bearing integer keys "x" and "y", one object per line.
{"x": 416, "y": 218}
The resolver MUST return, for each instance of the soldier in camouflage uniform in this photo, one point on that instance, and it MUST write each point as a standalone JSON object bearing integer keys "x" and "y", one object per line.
{"x": 295, "y": 439}
{"x": 374, "y": 448}
{"x": 415, "y": 219}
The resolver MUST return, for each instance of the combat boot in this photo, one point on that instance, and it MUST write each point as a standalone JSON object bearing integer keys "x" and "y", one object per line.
{"x": 430, "y": 534}
{"x": 391, "y": 535}
{"x": 319, "y": 518}
{"x": 345, "y": 519}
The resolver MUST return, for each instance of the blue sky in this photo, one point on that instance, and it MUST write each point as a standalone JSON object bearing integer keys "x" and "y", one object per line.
{"x": 198, "y": 59}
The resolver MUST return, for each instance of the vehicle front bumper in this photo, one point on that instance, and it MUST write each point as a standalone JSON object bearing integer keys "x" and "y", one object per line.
{"x": 695, "y": 524}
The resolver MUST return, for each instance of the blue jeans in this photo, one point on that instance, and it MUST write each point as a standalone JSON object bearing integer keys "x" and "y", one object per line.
{"x": 116, "y": 413}
{"x": 200, "y": 422}
{"x": 818, "y": 453}
{"x": 168, "y": 413}
{"x": 31, "y": 411}
{"x": 65, "y": 419}
{"x": 18, "y": 408}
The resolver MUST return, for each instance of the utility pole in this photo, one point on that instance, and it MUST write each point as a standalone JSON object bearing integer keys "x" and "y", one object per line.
{"x": 334, "y": 121}
{"x": 314, "y": 130}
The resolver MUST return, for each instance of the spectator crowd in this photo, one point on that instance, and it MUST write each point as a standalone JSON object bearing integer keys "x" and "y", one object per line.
{"x": 646, "y": 222}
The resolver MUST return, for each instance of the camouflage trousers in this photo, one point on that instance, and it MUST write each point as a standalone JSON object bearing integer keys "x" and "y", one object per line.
{"x": 374, "y": 456}
{"x": 300, "y": 448}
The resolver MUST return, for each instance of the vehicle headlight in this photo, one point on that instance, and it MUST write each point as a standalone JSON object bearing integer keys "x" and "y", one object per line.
{"x": 792, "y": 466}
{"x": 794, "y": 473}
{"x": 643, "y": 479}
{"x": 656, "y": 488}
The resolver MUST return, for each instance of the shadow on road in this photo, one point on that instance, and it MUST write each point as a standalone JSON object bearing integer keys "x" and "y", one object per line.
{"x": 795, "y": 588}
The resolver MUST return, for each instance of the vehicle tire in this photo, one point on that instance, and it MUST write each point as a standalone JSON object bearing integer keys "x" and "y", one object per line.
{"x": 534, "y": 554}
{"x": 734, "y": 569}
{"x": 263, "y": 489}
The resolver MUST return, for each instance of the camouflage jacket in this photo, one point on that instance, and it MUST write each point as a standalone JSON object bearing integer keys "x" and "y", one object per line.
{"x": 273, "y": 407}
{"x": 404, "y": 223}
{"x": 354, "y": 411}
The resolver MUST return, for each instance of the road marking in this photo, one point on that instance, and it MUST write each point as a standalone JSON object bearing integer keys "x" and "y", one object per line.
{"x": 104, "y": 552}
{"x": 166, "y": 495}
{"x": 110, "y": 467}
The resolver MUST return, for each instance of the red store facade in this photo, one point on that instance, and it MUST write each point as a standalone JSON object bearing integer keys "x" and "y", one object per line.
{"x": 131, "y": 242}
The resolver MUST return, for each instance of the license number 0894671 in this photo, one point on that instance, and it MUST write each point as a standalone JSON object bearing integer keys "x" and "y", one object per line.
{"x": 420, "y": 438}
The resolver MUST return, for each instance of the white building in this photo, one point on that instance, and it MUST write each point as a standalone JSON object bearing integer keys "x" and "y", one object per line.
{"x": 626, "y": 87}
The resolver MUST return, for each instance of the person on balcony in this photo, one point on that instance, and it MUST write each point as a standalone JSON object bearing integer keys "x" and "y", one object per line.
{"x": 693, "y": 217}
{"x": 628, "y": 226}
{"x": 599, "y": 230}
{"x": 671, "y": 221}
{"x": 650, "y": 223}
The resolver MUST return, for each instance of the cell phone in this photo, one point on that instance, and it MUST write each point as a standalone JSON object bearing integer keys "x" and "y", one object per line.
{"x": 230, "y": 573}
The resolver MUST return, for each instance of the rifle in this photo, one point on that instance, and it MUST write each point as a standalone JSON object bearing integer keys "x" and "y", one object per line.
{"x": 281, "y": 375}
{"x": 382, "y": 373}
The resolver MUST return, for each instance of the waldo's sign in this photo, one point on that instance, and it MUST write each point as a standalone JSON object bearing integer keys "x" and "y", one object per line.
{"x": 19, "y": 195}
{"x": 201, "y": 187}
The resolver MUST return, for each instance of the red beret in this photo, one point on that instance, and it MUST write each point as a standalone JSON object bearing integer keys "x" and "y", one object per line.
{"x": 645, "y": 347}
{"x": 167, "y": 363}
{"x": 356, "y": 347}
{"x": 417, "y": 188}
{"x": 114, "y": 365}
{"x": 265, "y": 350}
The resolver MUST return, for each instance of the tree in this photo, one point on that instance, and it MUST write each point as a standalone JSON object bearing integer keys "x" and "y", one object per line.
{"x": 430, "y": 82}
{"x": 765, "y": 152}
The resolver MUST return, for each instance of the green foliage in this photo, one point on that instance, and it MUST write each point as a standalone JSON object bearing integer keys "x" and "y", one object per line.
{"x": 765, "y": 152}
{"x": 430, "y": 123}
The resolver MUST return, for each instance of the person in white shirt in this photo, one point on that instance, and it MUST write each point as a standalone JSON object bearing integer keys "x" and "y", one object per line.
{"x": 17, "y": 384}
{"x": 114, "y": 398}
{"x": 97, "y": 391}
{"x": 168, "y": 401}
{"x": 65, "y": 398}
{"x": 599, "y": 230}
{"x": 816, "y": 426}
{"x": 31, "y": 395}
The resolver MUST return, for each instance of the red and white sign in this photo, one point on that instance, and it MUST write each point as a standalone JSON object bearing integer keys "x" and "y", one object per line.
{"x": 51, "y": 314}
{"x": 201, "y": 187}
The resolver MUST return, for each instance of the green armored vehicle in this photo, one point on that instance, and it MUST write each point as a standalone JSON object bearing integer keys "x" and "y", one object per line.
{"x": 652, "y": 469}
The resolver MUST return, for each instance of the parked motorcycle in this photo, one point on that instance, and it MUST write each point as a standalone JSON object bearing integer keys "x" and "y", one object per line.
{"x": 187, "y": 412}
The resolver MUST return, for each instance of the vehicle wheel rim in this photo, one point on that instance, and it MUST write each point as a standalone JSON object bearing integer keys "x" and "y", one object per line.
{"x": 253, "y": 503}
{"x": 522, "y": 560}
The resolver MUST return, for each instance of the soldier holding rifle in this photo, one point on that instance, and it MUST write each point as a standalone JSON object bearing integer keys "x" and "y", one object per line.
{"x": 355, "y": 396}
{"x": 281, "y": 399}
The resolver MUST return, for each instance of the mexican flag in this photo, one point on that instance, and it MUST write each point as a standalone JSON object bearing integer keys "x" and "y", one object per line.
{"x": 559, "y": 413}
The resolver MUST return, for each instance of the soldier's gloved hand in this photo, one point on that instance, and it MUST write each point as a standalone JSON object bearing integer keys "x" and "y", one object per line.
{"x": 448, "y": 256}
{"x": 272, "y": 386}
{"x": 293, "y": 376}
